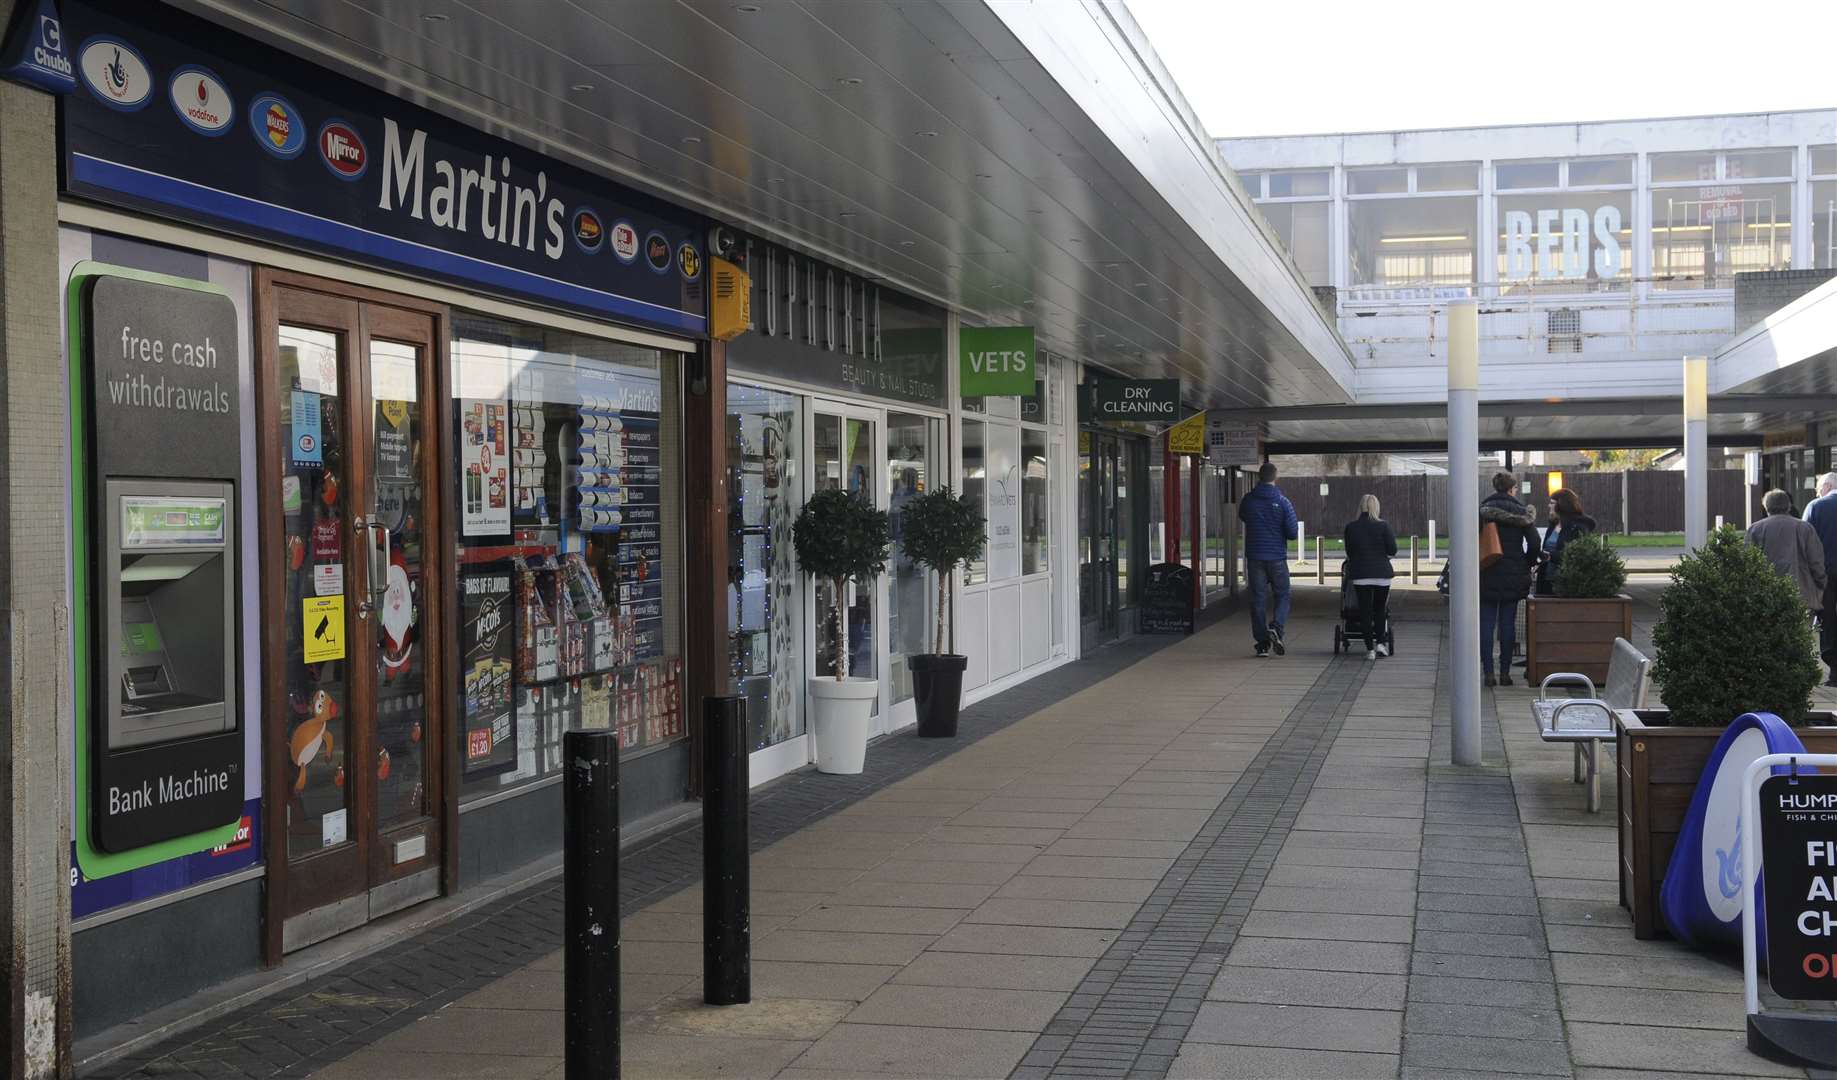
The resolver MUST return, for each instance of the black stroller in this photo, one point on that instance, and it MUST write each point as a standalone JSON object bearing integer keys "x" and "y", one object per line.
{"x": 1351, "y": 627}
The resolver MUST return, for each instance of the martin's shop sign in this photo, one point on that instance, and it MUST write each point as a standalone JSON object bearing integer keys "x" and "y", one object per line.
{"x": 1139, "y": 401}
{"x": 174, "y": 115}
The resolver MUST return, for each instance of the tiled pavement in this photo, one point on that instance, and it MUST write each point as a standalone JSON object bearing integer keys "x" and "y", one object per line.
{"x": 1200, "y": 866}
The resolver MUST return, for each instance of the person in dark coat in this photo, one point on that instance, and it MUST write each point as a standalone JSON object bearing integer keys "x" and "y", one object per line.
{"x": 1507, "y": 581}
{"x": 1567, "y": 521}
{"x": 1370, "y": 543}
{"x": 1269, "y": 524}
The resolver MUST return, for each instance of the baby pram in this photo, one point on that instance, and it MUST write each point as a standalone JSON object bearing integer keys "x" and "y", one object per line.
{"x": 1349, "y": 632}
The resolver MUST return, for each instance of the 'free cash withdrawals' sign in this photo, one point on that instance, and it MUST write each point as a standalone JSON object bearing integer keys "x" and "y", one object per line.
{"x": 996, "y": 360}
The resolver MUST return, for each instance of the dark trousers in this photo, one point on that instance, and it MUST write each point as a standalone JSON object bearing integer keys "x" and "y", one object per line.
{"x": 1827, "y": 626}
{"x": 1503, "y": 619}
{"x": 1374, "y": 600}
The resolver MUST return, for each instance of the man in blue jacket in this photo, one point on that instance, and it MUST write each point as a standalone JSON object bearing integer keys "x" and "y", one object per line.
{"x": 1269, "y": 524}
{"x": 1821, "y": 515}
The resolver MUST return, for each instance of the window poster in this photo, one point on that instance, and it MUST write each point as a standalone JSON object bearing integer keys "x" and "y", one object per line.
{"x": 486, "y": 641}
{"x": 484, "y": 466}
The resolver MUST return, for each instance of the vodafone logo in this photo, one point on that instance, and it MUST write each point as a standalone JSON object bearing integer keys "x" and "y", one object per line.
{"x": 201, "y": 101}
{"x": 342, "y": 150}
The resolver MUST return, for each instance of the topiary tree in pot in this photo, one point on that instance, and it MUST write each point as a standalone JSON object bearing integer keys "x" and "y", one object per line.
{"x": 1578, "y": 625}
{"x": 841, "y": 537}
{"x": 940, "y": 531}
{"x": 1591, "y": 570}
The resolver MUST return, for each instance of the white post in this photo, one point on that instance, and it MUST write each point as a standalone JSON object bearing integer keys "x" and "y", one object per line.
{"x": 1431, "y": 539}
{"x": 1750, "y": 473}
{"x": 1696, "y": 451}
{"x": 1718, "y": 521}
{"x": 1301, "y": 541}
{"x": 1464, "y": 537}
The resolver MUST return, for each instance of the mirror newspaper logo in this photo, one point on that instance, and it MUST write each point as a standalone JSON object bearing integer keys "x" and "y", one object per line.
{"x": 342, "y": 150}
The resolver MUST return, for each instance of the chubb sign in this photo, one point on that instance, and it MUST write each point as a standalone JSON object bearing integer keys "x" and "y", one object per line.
{"x": 1556, "y": 244}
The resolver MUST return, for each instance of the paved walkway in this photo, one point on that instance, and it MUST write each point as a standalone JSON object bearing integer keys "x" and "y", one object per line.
{"x": 1203, "y": 865}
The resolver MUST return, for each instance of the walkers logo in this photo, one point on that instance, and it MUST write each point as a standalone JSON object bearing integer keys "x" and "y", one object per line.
{"x": 36, "y": 55}
{"x": 277, "y": 125}
{"x": 115, "y": 73}
{"x": 343, "y": 150}
{"x": 589, "y": 234}
{"x": 657, "y": 252}
{"x": 689, "y": 261}
{"x": 201, "y": 101}
{"x": 624, "y": 241}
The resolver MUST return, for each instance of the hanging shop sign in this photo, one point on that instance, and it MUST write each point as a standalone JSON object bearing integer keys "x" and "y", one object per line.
{"x": 1188, "y": 436}
{"x": 1798, "y": 839}
{"x": 35, "y": 52}
{"x": 181, "y": 117}
{"x": 995, "y": 361}
{"x": 1233, "y": 444}
{"x": 1132, "y": 400}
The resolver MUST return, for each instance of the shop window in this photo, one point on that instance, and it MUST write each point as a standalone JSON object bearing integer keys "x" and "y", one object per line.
{"x": 568, "y": 546}
{"x": 1755, "y": 164}
{"x": 1448, "y": 178}
{"x": 764, "y": 610}
{"x": 975, "y": 488}
{"x": 1253, "y": 184}
{"x": 1824, "y": 160}
{"x": 1703, "y": 236}
{"x": 1304, "y": 230}
{"x": 1284, "y": 185}
{"x": 1036, "y": 512}
{"x": 1695, "y": 165}
{"x": 1511, "y": 175}
{"x": 1600, "y": 171}
{"x": 915, "y": 445}
{"x": 1824, "y": 224}
{"x": 1412, "y": 243}
{"x": 1378, "y": 181}
{"x": 1565, "y": 241}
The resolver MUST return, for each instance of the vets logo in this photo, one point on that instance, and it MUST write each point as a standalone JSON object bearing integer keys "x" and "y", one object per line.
{"x": 277, "y": 125}
{"x": 115, "y": 73}
{"x": 201, "y": 101}
{"x": 342, "y": 150}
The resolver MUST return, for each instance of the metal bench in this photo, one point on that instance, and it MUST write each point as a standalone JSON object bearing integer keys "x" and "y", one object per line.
{"x": 1585, "y": 721}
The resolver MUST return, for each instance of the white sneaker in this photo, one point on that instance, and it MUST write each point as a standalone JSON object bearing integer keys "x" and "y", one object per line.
{"x": 1371, "y": 654}
{"x": 1384, "y": 650}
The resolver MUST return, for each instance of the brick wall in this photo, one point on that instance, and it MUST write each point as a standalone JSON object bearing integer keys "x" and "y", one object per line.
{"x": 1760, "y": 294}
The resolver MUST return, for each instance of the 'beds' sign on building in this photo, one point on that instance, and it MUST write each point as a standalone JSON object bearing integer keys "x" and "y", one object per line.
{"x": 1558, "y": 244}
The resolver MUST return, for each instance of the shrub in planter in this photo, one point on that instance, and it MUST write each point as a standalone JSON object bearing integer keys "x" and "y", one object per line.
{"x": 1733, "y": 637}
{"x": 1590, "y": 570}
{"x": 940, "y": 531}
{"x": 840, "y": 537}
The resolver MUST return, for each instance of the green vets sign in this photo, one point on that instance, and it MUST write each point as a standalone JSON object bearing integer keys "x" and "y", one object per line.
{"x": 996, "y": 360}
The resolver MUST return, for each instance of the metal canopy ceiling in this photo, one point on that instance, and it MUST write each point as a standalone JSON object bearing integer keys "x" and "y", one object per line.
{"x": 1021, "y": 163}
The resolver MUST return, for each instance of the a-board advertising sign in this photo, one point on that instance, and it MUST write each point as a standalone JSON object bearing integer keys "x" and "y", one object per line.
{"x": 1167, "y": 600}
{"x": 1798, "y": 837}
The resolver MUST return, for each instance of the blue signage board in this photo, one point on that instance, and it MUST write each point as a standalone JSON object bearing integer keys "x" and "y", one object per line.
{"x": 35, "y": 51}
{"x": 177, "y": 116}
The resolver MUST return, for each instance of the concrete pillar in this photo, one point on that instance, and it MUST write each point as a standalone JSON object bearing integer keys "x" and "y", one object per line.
{"x": 1696, "y": 451}
{"x": 34, "y": 642}
{"x": 1464, "y": 528}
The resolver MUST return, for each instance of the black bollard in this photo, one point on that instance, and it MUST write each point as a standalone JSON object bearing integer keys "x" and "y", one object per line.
{"x": 590, "y": 883}
{"x": 727, "y": 881}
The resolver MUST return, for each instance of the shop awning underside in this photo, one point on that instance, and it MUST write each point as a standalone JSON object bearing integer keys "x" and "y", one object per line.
{"x": 1024, "y": 163}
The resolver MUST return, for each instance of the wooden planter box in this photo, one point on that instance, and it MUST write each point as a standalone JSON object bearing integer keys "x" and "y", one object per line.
{"x": 1573, "y": 635}
{"x": 1659, "y": 767}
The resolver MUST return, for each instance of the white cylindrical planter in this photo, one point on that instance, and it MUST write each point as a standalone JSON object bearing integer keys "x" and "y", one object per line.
{"x": 841, "y": 712}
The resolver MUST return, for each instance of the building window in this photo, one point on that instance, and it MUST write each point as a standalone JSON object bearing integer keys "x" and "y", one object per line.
{"x": 1412, "y": 243}
{"x": 1513, "y": 175}
{"x": 1757, "y": 164}
{"x": 1448, "y": 177}
{"x": 1694, "y": 165}
{"x": 1036, "y": 513}
{"x": 765, "y": 614}
{"x": 1703, "y": 235}
{"x": 1311, "y": 182}
{"x": 1824, "y": 160}
{"x": 1824, "y": 224}
{"x": 1600, "y": 171}
{"x": 1378, "y": 181}
{"x": 975, "y": 488}
{"x": 1565, "y": 241}
{"x": 569, "y": 572}
{"x": 1304, "y": 229}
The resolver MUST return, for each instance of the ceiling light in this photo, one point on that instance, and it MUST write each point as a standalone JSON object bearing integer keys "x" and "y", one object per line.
{"x": 985, "y": 176}
{"x": 848, "y": 80}
{"x": 775, "y": 180}
{"x": 434, "y": 16}
{"x": 1141, "y": 284}
{"x": 905, "y": 243}
{"x": 926, "y": 134}
{"x": 747, "y": 9}
{"x": 1074, "y": 239}
{"x": 1448, "y": 239}
{"x": 581, "y": 87}
{"x": 845, "y": 214}
{"x": 691, "y": 140}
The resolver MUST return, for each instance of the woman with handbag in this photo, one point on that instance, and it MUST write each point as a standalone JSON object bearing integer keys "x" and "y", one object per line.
{"x": 1508, "y": 552}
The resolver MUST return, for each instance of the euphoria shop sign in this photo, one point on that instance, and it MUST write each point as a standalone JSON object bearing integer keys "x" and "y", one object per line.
{"x": 1798, "y": 831}
{"x": 174, "y": 115}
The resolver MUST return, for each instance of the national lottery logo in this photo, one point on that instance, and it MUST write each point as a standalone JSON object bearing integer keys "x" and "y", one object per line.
{"x": 277, "y": 125}
{"x": 115, "y": 74}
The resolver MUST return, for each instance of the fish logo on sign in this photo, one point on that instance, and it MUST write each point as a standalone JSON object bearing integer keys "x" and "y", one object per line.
{"x": 277, "y": 126}
{"x": 201, "y": 101}
{"x": 115, "y": 73}
{"x": 342, "y": 150}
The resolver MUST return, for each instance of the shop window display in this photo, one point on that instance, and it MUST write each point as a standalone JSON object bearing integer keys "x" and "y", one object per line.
{"x": 764, "y": 618}
{"x": 568, "y": 550}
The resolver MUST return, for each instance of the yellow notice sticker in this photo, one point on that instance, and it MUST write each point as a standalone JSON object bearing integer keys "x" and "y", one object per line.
{"x": 1188, "y": 436}
{"x": 324, "y": 625}
{"x": 394, "y": 411}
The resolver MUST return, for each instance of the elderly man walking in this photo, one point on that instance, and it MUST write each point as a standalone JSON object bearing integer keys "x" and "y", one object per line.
{"x": 1791, "y": 546}
{"x": 1821, "y": 515}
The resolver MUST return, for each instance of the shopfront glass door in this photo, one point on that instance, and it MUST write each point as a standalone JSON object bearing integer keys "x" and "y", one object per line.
{"x": 846, "y": 453}
{"x": 350, "y": 588}
{"x": 1102, "y": 568}
{"x": 914, "y": 452}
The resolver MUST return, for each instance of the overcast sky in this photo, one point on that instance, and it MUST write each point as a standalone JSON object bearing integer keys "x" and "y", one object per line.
{"x": 1281, "y": 67}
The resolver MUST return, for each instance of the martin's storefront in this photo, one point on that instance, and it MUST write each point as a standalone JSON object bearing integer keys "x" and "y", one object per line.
{"x": 377, "y": 488}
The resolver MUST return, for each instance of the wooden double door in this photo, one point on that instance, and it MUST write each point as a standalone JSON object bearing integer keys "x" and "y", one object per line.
{"x": 355, "y": 581}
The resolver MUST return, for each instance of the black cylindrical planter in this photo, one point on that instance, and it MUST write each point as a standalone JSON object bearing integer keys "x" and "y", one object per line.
{"x": 937, "y": 692}
{"x": 727, "y": 925}
{"x": 590, "y": 887}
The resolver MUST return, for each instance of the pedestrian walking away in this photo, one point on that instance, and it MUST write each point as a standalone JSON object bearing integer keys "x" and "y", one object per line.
{"x": 1370, "y": 543}
{"x": 1269, "y": 524}
{"x": 1792, "y": 546}
{"x": 1567, "y": 522}
{"x": 1821, "y": 515}
{"x": 1508, "y": 579}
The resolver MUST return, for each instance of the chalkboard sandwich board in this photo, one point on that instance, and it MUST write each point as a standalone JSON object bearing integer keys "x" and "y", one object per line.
{"x": 1167, "y": 600}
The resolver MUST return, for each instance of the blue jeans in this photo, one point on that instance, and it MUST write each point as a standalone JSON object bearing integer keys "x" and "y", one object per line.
{"x": 1504, "y": 619}
{"x": 1267, "y": 575}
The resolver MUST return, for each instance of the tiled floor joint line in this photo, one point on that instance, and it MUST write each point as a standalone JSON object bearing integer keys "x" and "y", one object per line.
{"x": 1131, "y": 1013}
